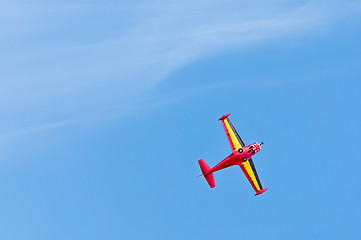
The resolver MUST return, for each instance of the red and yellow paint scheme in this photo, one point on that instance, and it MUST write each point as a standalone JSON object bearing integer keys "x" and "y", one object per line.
{"x": 241, "y": 155}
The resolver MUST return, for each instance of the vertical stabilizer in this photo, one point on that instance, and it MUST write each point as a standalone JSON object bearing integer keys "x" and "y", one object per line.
{"x": 205, "y": 170}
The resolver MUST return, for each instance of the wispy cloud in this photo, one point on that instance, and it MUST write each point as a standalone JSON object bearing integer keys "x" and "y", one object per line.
{"x": 63, "y": 59}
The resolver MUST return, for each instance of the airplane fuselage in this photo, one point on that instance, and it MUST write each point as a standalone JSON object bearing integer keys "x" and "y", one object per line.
{"x": 238, "y": 157}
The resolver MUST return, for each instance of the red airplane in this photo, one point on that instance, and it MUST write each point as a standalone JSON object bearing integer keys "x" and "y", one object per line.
{"x": 241, "y": 155}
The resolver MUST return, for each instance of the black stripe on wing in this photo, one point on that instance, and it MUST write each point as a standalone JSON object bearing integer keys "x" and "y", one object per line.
{"x": 255, "y": 172}
{"x": 236, "y": 133}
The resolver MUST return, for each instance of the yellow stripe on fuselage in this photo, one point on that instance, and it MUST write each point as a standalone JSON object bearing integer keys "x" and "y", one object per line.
{"x": 234, "y": 139}
{"x": 250, "y": 172}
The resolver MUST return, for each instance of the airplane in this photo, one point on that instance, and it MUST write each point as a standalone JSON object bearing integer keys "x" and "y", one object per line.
{"x": 241, "y": 155}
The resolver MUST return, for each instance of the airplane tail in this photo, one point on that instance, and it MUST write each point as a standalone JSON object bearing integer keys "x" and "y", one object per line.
{"x": 208, "y": 176}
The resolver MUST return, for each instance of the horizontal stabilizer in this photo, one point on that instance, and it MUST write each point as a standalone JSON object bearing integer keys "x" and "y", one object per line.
{"x": 205, "y": 170}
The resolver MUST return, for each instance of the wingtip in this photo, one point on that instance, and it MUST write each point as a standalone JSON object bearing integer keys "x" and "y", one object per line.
{"x": 224, "y": 116}
{"x": 261, "y": 191}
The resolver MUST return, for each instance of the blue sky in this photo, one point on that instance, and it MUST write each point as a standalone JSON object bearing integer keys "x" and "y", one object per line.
{"x": 107, "y": 107}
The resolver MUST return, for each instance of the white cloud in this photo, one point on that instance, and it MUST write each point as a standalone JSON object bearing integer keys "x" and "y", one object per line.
{"x": 61, "y": 60}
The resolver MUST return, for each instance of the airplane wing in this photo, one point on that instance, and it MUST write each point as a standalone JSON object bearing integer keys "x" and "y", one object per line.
{"x": 234, "y": 139}
{"x": 249, "y": 170}
{"x": 236, "y": 143}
